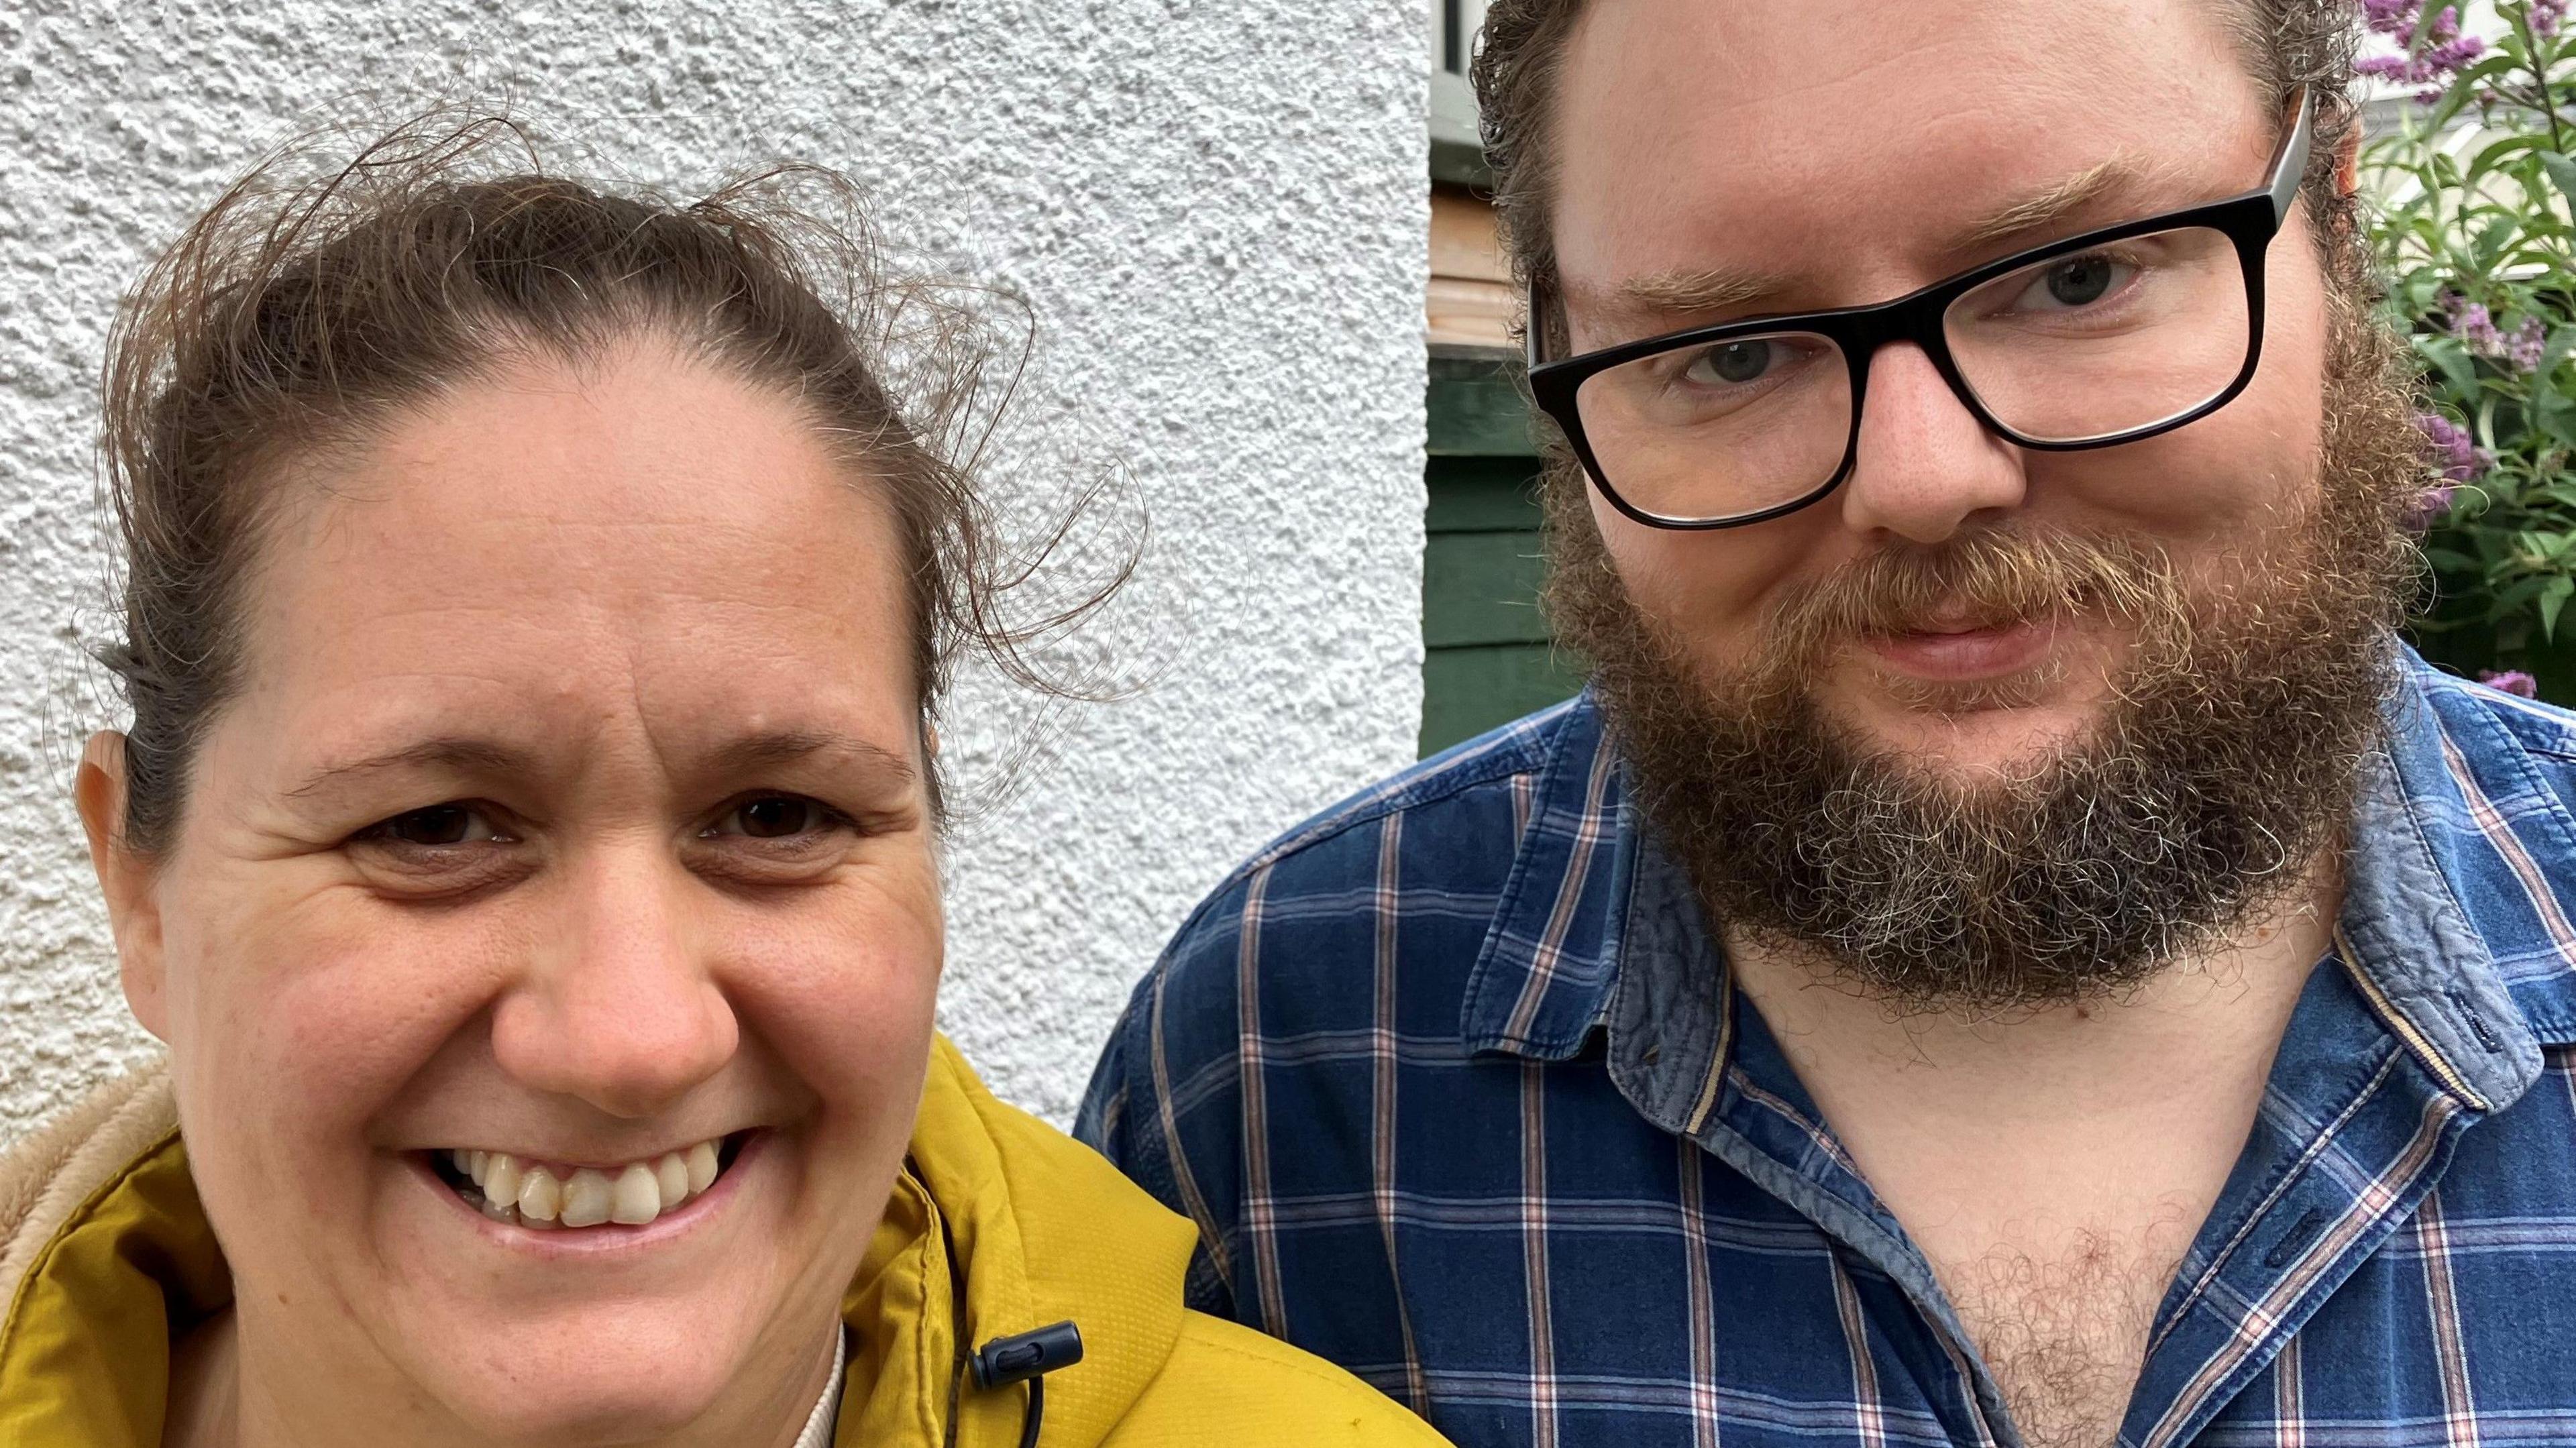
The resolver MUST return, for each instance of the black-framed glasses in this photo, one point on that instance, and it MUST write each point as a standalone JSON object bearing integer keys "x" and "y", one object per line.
{"x": 2105, "y": 338}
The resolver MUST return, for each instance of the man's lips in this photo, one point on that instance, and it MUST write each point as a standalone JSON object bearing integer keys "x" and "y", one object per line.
{"x": 1966, "y": 654}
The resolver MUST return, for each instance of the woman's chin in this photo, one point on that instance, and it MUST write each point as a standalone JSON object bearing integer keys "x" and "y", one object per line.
{"x": 579, "y": 1375}
{"x": 604, "y": 1334}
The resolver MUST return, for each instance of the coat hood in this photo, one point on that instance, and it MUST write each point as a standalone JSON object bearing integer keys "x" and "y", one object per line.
{"x": 999, "y": 1225}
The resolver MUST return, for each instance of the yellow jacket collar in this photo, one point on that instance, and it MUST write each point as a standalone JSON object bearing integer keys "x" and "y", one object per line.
{"x": 999, "y": 1223}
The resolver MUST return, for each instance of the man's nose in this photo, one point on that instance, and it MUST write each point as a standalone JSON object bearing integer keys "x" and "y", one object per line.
{"x": 619, "y": 1006}
{"x": 1925, "y": 465}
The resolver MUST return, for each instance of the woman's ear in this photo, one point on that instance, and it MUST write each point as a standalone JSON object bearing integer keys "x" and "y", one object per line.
{"x": 124, "y": 877}
{"x": 2348, "y": 164}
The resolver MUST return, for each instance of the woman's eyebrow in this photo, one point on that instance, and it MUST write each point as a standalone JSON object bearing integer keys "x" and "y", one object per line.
{"x": 789, "y": 746}
{"x": 455, "y": 755}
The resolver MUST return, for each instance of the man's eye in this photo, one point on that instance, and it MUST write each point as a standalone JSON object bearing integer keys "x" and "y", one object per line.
{"x": 440, "y": 824}
{"x": 1731, "y": 364}
{"x": 2078, "y": 281}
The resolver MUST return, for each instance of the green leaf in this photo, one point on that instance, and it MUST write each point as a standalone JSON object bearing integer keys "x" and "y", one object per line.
{"x": 2467, "y": 85}
{"x": 2557, "y": 419}
{"x": 2502, "y": 152}
{"x": 2510, "y": 601}
{"x": 2452, "y": 359}
{"x": 2491, "y": 241}
{"x": 2552, "y": 599}
{"x": 2563, "y": 171}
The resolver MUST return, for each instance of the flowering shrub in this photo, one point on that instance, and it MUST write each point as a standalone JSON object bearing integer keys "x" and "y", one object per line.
{"x": 2475, "y": 232}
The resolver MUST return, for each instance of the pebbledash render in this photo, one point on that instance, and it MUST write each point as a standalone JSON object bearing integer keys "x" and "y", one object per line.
{"x": 1217, "y": 215}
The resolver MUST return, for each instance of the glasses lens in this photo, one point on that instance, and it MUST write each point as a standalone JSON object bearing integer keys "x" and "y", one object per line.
{"x": 2108, "y": 340}
{"x": 1721, "y": 430}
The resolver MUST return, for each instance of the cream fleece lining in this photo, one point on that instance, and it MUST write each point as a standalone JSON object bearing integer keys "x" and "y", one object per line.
{"x": 827, "y": 1410}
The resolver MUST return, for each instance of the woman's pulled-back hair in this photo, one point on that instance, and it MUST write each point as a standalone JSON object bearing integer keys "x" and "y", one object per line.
{"x": 312, "y": 302}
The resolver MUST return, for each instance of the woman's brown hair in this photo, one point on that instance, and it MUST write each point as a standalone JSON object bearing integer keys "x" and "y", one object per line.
{"x": 312, "y": 301}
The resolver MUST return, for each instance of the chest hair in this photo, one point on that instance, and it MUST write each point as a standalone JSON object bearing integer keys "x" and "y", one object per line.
{"x": 2065, "y": 1331}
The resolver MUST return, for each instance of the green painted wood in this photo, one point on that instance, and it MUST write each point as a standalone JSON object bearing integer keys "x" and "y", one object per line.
{"x": 1482, "y": 495}
{"x": 1467, "y": 691}
{"x": 1486, "y": 655}
{"x": 1475, "y": 409}
{"x": 1482, "y": 588}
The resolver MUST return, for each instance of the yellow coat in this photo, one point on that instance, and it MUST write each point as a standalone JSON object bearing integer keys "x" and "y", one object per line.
{"x": 103, "y": 1248}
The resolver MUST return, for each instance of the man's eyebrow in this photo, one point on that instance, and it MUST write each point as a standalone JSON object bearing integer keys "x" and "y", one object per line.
{"x": 1696, "y": 291}
{"x": 2117, "y": 177}
{"x": 456, "y": 755}
{"x": 1718, "y": 288}
{"x": 789, "y": 746}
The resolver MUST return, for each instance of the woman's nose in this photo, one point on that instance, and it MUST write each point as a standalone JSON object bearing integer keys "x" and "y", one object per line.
{"x": 1926, "y": 465}
{"x": 618, "y": 1005}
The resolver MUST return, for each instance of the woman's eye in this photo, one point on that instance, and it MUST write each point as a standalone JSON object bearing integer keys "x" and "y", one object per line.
{"x": 1731, "y": 364}
{"x": 434, "y": 827}
{"x": 774, "y": 817}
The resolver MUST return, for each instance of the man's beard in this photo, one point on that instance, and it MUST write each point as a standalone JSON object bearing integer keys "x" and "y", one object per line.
{"x": 2225, "y": 763}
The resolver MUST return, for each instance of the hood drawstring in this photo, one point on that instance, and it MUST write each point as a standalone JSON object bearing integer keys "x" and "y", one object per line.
{"x": 1025, "y": 1357}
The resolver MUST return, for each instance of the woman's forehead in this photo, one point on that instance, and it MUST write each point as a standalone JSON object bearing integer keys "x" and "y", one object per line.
{"x": 563, "y": 540}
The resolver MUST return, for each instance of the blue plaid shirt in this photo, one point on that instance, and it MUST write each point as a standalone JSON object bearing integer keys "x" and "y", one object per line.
{"x": 1454, "y": 1083}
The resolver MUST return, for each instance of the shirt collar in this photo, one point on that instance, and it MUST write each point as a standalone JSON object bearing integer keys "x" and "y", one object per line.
{"x": 1553, "y": 951}
{"x": 2450, "y": 918}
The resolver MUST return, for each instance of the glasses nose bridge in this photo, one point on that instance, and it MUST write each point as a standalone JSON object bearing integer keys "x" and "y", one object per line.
{"x": 1917, "y": 319}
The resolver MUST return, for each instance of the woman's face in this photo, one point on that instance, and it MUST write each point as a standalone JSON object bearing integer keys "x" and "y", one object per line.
{"x": 572, "y": 808}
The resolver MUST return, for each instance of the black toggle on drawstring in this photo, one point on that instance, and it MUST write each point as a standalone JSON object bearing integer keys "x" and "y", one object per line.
{"x": 1027, "y": 1357}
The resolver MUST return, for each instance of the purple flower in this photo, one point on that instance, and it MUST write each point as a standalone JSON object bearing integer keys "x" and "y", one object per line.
{"x": 2528, "y": 343}
{"x": 2445, "y": 49}
{"x": 2546, "y": 15}
{"x": 2511, "y": 681}
{"x": 2455, "y": 453}
{"x": 2391, "y": 17}
{"x": 2473, "y": 324}
{"x": 2429, "y": 506}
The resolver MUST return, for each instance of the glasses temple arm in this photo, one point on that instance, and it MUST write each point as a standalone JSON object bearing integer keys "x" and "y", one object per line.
{"x": 1533, "y": 324}
{"x": 2290, "y": 167}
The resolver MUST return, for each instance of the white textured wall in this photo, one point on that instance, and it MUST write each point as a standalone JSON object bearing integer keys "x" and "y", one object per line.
{"x": 1217, "y": 208}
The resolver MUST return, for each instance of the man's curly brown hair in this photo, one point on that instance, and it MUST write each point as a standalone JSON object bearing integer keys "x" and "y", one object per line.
{"x": 2284, "y": 43}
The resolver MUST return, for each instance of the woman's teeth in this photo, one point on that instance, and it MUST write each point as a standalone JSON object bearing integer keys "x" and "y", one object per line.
{"x": 529, "y": 1195}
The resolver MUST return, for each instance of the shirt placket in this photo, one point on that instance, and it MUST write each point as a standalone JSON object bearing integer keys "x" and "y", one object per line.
{"x": 2355, "y": 1130}
{"x": 1763, "y": 1126}
{"x": 1690, "y": 1053}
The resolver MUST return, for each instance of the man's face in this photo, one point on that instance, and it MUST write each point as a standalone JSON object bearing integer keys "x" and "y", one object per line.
{"x": 1800, "y": 157}
{"x": 1985, "y": 726}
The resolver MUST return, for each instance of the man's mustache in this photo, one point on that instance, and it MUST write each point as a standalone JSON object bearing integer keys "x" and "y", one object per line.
{"x": 1989, "y": 578}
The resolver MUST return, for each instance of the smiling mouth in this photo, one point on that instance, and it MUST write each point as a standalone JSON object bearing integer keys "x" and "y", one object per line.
{"x": 549, "y": 1196}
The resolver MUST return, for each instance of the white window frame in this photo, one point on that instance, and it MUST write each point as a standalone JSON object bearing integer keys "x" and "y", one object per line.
{"x": 1457, "y": 152}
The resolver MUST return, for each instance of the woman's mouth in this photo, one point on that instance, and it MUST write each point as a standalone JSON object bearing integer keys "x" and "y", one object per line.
{"x": 548, "y": 1196}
